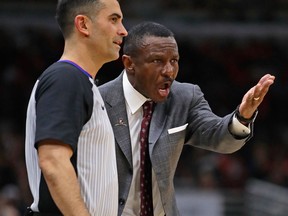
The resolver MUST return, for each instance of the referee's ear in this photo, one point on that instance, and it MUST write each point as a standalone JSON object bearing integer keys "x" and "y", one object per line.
{"x": 82, "y": 24}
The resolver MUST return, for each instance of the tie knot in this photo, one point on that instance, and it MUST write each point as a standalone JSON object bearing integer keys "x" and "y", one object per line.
{"x": 147, "y": 108}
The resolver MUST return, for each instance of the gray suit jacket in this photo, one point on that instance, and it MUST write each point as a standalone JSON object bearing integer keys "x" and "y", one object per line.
{"x": 185, "y": 105}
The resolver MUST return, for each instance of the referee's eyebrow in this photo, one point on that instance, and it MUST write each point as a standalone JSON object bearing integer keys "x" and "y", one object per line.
{"x": 119, "y": 16}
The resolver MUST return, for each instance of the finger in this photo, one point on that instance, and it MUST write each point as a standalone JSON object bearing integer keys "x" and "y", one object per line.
{"x": 267, "y": 78}
{"x": 261, "y": 89}
{"x": 257, "y": 91}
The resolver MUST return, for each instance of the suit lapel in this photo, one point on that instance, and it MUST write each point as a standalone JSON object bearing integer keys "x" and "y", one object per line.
{"x": 116, "y": 109}
{"x": 158, "y": 121}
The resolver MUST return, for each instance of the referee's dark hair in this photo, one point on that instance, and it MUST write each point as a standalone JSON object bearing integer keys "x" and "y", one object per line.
{"x": 67, "y": 10}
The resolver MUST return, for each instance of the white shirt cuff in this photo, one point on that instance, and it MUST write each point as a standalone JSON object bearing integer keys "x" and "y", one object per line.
{"x": 239, "y": 129}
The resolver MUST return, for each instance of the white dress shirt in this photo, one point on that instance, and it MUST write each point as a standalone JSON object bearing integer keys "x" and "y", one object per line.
{"x": 134, "y": 101}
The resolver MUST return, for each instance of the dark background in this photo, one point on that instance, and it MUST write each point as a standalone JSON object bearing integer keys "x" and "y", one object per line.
{"x": 225, "y": 47}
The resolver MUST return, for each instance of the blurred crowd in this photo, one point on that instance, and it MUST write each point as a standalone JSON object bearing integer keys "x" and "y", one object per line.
{"x": 224, "y": 68}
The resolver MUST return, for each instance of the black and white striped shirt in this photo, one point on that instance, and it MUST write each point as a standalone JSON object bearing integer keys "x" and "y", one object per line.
{"x": 66, "y": 105}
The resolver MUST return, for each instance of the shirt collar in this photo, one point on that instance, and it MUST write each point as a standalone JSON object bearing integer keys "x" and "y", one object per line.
{"x": 133, "y": 98}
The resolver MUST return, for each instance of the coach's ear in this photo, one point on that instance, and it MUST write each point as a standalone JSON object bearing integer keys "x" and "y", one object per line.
{"x": 128, "y": 64}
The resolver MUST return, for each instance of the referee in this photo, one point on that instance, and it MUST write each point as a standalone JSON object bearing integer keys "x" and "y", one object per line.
{"x": 69, "y": 146}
